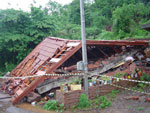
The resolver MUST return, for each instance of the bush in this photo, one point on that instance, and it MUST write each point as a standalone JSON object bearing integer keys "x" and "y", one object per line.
{"x": 53, "y": 105}
{"x": 50, "y": 105}
{"x": 145, "y": 77}
{"x": 119, "y": 75}
{"x": 104, "y": 102}
{"x": 83, "y": 102}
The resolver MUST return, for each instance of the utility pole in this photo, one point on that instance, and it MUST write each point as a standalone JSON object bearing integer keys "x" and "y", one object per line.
{"x": 84, "y": 49}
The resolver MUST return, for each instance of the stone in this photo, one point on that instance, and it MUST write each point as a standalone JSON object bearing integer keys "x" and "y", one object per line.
{"x": 33, "y": 103}
{"x": 128, "y": 97}
{"x": 1, "y": 105}
{"x": 31, "y": 97}
{"x": 135, "y": 98}
{"x": 147, "y": 100}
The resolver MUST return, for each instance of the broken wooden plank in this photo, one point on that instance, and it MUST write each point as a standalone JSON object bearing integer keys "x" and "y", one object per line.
{"x": 113, "y": 63}
{"x": 117, "y": 42}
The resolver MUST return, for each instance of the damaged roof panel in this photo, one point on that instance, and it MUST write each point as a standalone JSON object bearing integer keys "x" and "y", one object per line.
{"x": 45, "y": 50}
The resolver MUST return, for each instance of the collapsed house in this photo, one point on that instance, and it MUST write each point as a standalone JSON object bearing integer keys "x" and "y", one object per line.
{"x": 55, "y": 55}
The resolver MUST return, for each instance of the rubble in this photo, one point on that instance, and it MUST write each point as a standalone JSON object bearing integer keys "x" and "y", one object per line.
{"x": 54, "y": 55}
{"x": 128, "y": 97}
{"x": 32, "y": 97}
{"x": 147, "y": 100}
{"x": 135, "y": 98}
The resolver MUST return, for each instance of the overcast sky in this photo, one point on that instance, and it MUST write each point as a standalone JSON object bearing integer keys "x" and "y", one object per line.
{"x": 25, "y": 4}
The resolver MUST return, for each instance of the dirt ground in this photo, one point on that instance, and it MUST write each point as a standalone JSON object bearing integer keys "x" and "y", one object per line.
{"x": 119, "y": 105}
{"x": 7, "y": 107}
{"x": 122, "y": 105}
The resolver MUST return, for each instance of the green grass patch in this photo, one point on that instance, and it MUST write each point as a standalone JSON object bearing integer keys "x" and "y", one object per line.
{"x": 84, "y": 102}
{"x": 54, "y": 106}
{"x": 139, "y": 108}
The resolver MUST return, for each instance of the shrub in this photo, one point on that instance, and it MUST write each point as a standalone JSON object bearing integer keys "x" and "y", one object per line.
{"x": 145, "y": 77}
{"x": 118, "y": 75}
{"x": 76, "y": 81}
{"x": 53, "y": 105}
{"x": 83, "y": 102}
{"x": 50, "y": 105}
{"x": 104, "y": 102}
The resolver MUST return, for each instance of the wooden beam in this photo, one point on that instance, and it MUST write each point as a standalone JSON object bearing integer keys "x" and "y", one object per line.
{"x": 117, "y": 42}
{"x": 70, "y": 53}
{"x": 116, "y": 50}
{"x": 91, "y": 53}
{"x": 103, "y": 52}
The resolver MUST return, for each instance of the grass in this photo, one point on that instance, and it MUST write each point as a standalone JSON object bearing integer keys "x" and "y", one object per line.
{"x": 105, "y": 101}
{"x": 113, "y": 94}
{"x": 54, "y": 106}
{"x": 139, "y": 108}
{"x": 101, "y": 102}
{"x": 140, "y": 87}
{"x": 129, "y": 107}
{"x": 119, "y": 75}
{"x": 84, "y": 102}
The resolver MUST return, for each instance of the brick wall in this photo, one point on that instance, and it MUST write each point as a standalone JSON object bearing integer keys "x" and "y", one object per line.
{"x": 71, "y": 98}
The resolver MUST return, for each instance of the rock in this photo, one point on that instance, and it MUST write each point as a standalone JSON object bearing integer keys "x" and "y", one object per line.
{"x": 142, "y": 98}
{"x": 1, "y": 105}
{"x": 147, "y": 100}
{"x": 135, "y": 98}
{"x": 131, "y": 97}
{"x": 45, "y": 98}
{"x": 128, "y": 97}
{"x": 147, "y": 52}
{"x": 31, "y": 97}
{"x": 33, "y": 103}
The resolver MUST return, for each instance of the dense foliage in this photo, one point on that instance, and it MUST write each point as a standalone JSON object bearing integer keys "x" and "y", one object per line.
{"x": 21, "y": 31}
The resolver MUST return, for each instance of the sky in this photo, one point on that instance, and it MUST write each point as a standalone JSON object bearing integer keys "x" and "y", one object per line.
{"x": 25, "y": 4}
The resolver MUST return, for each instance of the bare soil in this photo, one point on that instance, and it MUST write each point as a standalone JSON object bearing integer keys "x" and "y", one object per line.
{"x": 122, "y": 105}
